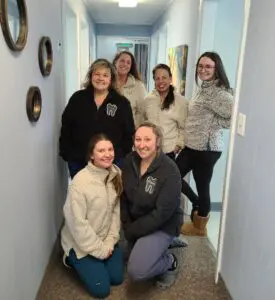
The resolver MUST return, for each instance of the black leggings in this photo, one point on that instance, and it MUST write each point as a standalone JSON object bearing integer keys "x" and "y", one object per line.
{"x": 201, "y": 163}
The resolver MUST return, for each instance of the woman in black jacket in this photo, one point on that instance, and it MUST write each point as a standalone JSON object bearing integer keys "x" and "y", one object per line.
{"x": 98, "y": 108}
{"x": 150, "y": 207}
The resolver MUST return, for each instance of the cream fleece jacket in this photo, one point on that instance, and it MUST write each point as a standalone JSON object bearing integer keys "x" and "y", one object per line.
{"x": 134, "y": 90}
{"x": 92, "y": 213}
{"x": 171, "y": 120}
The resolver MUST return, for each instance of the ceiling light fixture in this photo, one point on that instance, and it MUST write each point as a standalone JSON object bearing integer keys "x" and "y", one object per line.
{"x": 127, "y": 3}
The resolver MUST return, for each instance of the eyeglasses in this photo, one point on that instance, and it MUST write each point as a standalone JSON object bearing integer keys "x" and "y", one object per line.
{"x": 206, "y": 67}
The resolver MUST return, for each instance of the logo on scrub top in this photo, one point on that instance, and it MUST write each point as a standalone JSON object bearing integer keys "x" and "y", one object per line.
{"x": 150, "y": 184}
{"x": 111, "y": 109}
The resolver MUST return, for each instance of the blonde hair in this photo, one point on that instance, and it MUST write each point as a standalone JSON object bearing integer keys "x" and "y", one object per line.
{"x": 98, "y": 64}
{"x": 157, "y": 132}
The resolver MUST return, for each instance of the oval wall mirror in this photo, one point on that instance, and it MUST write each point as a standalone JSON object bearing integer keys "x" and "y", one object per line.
{"x": 34, "y": 103}
{"x": 14, "y": 23}
{"x": 45, "y": 56}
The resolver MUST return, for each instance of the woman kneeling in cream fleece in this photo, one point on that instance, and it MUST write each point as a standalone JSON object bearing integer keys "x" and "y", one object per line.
{"x": 92, "y": 221}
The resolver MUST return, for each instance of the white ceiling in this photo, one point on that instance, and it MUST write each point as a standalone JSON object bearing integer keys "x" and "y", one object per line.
{"x": 107, "y": 11}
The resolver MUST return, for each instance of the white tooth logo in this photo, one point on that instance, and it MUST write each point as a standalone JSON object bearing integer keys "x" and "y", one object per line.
{"x": 111, "y": 109}
{"x": 150, "y": 184}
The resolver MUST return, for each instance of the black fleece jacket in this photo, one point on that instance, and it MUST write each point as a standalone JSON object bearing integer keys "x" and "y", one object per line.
{"x": 151, "y": 202}
{"x": 82, "y": 119}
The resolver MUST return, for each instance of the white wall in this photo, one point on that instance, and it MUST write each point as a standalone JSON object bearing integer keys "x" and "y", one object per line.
{"x": 33, "y": 178}
{"x": 80, "y": 44}
{"x": 208, "y": 25}
{"x": 182, "y": 27}
{"x": 248, "y": 260}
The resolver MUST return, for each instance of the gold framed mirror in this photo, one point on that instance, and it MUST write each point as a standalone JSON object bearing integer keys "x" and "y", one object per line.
{"x": 34, "y": 103}
{"x": 14, "y": 23}
{"x": 45, "y": 56}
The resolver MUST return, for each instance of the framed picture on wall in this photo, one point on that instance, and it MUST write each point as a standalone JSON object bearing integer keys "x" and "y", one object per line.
{"x": 177, "y": 58}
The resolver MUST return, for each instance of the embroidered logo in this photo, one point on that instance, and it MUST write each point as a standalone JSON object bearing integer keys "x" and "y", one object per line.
{"x": 111, "y": 109}
{"x": 150, "y": 184}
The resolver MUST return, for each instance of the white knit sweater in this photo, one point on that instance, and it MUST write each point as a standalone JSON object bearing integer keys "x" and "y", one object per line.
{"x": 171, "y": 120}
{"x": 134, "y": 90}
{"x": 92, "y": 213}
{"x": 208, "y": 113}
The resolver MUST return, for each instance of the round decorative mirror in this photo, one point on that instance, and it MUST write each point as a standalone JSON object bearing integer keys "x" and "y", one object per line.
{"x": 14, "y": 23}
{"x": 34, "y": 103}
{"x": 45, "y": 56}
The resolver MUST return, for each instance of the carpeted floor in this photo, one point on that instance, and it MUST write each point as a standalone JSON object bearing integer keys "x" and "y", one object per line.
{"x": 195, "y": 280}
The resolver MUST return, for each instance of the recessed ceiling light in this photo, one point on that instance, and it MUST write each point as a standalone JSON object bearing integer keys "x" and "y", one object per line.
{"x": 127, "y": 3}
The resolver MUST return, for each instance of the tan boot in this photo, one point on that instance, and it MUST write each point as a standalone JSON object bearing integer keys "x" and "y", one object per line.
{"x": 198, "y": 227}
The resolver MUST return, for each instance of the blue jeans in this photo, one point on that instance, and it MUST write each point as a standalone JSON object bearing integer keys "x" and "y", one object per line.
{"x": 98, "y": 275}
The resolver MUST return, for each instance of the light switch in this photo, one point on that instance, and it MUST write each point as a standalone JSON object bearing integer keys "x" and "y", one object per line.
{"x": 241, "y": 124}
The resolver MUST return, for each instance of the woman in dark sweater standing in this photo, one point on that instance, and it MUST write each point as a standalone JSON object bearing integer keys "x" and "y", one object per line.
{"x": 209, "y": 113}
{"x": 98, "y": 108}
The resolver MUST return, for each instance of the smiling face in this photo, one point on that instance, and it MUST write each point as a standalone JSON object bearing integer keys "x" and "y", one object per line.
{"x": 162, "y": 80}
{"x": 123, "y": 64}
{"x": 101, "y": 79}
{"x": 206, "y": 69}
{"x": 146, "y": 143}
{"x": 103, "y": 154}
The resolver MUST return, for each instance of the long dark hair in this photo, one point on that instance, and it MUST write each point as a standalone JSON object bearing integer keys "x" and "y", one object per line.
{"x": 97, "y": 64}
{"x": 220, "y": 73}
{"x": 170, "y": 98}
{"x": 133, "y": 71}
{"x": 117, "y": 181}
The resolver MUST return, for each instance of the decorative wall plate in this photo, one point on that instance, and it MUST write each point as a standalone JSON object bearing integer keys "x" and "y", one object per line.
{"x": 34, "y": 103}
{"x": 14, "y": 23}
{"x": 45, "y": 56}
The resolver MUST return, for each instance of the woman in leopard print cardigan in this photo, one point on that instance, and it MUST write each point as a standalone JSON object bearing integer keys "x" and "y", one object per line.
{"x": 209, "y": 113}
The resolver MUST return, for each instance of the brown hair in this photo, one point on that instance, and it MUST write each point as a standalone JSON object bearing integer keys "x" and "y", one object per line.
{"x": 97, "y": 64}
{"x": 157, "y": 132}
{"x": 117, "y": 181}
{"x": 170, "y": 97}
{"x": 220, "y": 73}
{"x": 133, "y": 71}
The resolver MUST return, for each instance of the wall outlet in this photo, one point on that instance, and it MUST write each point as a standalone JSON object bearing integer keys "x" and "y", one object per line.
{"x": 241, "y": 124}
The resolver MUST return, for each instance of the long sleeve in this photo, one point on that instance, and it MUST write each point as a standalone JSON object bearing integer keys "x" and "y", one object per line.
{"x": 65, "y": 133}
{"x": 182, "y": 115}
{"x": 223, "y": 122}
{"x": 128, "y": 129}
{"x": 113, "y": 234}
{"x": 85, "y": 237}
{"x": 140, "y": 104}
{"x": 167, "y": 203}
{"x": 221, "y": 103}
{"x": 125, "y": 216}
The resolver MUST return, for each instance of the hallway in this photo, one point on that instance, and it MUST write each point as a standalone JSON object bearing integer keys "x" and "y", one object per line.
{"x": 195, "y": 280}
{"x": 34, "y": 178}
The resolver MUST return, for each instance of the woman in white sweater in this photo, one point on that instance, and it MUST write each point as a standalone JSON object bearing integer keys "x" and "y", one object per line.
{"x": 130, "y": 84}
{"x": 167, "y": 109}
{"x": 92, "y": 221}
